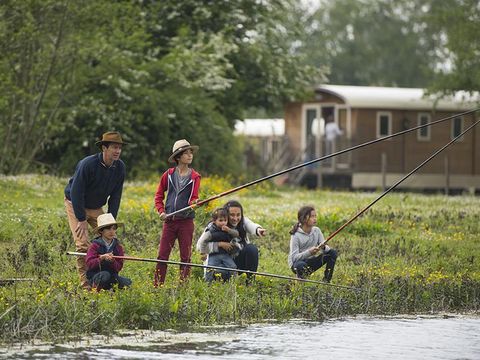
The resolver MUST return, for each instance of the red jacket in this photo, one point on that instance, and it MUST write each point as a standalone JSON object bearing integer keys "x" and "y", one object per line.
{"x": 176, "y": 198}
{"x": 95, "y": 265}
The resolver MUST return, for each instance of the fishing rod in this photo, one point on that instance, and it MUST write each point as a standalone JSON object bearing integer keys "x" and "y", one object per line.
{"x": 240, "y": 187}
{"x": 221, "y": 268}
{"x": 14, "y": 280}
{"x": 400, "y": 181}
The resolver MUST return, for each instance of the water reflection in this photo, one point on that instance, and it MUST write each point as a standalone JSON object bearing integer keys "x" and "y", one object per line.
{"x": 360, "y": 338}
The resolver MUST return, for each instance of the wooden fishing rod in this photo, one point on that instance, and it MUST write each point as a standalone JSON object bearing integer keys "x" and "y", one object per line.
{"x": 203, "y": 202}
{"x": 221, "y": 268}
{"x": 399, "y": 182}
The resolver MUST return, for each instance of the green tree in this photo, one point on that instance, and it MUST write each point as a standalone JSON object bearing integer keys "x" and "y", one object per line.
{"x": 157, "y": 71}
{"x": 260, "y": 65}
{"x": 455, "y": 25}
{"x": 371, "y": 42}
{"x": 39, "y": 43}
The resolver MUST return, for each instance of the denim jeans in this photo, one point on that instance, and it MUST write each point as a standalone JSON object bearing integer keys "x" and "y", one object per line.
{"x": 105, "y": 280}
{"x": 247, "y": 259}
{"x": 222, "y": 260}
{"x": 303, "y": 268}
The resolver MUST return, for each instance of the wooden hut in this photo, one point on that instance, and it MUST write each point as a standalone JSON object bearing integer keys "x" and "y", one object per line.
{"x": 368, "y": 113}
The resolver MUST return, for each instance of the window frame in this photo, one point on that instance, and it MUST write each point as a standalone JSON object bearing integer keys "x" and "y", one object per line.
{"x": 419, "y": 122}
{"x": 462, "y": 128}
{"x": 378, "y": 122}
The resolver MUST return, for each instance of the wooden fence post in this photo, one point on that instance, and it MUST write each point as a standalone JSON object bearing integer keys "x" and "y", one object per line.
{"x": 384, "y": 171}
{"x": 447, "y": 175}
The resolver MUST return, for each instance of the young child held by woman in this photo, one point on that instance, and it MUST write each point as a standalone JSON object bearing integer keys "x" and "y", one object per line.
{"x": 247, "y": 259}
{"x": 220, "y": 232}
{"x": 308, "y": 251}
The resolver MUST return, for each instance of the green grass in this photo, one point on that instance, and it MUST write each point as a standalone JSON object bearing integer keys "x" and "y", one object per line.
{"x": 408, "y": 254}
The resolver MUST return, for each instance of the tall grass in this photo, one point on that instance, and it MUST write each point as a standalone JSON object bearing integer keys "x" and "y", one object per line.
{"x": 408, "y": 254}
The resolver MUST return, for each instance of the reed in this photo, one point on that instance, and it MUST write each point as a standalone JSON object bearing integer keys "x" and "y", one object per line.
{"x": 409, "y": 254}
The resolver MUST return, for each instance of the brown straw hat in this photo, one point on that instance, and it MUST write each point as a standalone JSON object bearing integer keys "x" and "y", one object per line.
{"x": 179, "y": 146}
{"x": 110, "y": 136}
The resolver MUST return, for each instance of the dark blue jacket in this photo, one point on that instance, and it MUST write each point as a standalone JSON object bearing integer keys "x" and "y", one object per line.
{"x": 94, "y": 183}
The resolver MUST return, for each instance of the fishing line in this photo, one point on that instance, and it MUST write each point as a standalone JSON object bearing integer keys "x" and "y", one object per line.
{"x": 14, "y": 280}
{"x": 203, "y": 202}
{"x": 400, "y": 181}
{"x": 222, "y": 268}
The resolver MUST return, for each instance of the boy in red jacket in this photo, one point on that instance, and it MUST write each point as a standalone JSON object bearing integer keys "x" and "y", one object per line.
{"x": 181, "y": 183}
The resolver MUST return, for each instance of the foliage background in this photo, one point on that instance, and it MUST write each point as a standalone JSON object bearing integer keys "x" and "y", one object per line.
{"x": 159, "y": 71}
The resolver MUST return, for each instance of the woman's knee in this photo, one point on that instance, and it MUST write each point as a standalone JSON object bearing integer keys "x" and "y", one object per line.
{"x": 251, "y": 250}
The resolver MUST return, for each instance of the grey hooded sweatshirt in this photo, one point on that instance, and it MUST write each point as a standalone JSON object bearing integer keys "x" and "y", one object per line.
{"x": 301, "y": 243}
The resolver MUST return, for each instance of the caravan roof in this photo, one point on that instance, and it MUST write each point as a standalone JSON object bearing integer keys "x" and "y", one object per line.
{"x": 400, "y": 98}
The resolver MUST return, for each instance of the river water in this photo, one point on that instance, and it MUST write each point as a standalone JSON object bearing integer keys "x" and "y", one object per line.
{"x": 419, "y": 337}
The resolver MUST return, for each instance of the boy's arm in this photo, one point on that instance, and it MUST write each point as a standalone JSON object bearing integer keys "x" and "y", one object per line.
{"x": 160, "y": 194}
{"x": 92, "y": 260}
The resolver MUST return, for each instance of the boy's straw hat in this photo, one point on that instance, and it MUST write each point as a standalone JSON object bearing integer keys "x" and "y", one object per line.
{"x": 111, "y": 136}
{"x": 105, "y": 220}
{"x": 179, "y": 146}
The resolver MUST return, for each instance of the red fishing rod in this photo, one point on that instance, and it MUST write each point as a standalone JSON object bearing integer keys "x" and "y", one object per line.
{"x": 221, "y": 268}
{"x": 225, "y": 193}
{"x": 399, "y": 182}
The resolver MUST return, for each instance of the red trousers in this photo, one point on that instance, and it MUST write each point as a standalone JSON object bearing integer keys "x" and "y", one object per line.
{"x": 181, "y": 229}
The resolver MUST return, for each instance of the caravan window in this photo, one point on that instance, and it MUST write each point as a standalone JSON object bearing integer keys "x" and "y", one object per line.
{"x": 423, "y": 134}
{"x": 457, "y": 128}
{"x": 384, "y": 124}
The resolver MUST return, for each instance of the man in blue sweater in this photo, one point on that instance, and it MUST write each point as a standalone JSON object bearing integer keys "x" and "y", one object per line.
{"x": 98, "y": 179}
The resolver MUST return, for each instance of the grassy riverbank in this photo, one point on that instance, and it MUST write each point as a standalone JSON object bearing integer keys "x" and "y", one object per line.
{"x": 408, "y": 254}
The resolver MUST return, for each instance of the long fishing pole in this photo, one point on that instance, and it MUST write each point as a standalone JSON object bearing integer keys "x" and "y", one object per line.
{"x": 400, "y": 181}
{"x": 14, "y": 280}
{"x": 203, "y": 202}
{"x": 221, "y": 268}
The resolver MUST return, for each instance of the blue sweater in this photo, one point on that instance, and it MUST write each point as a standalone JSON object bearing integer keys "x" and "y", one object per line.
{"x": 94, "y": 183}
